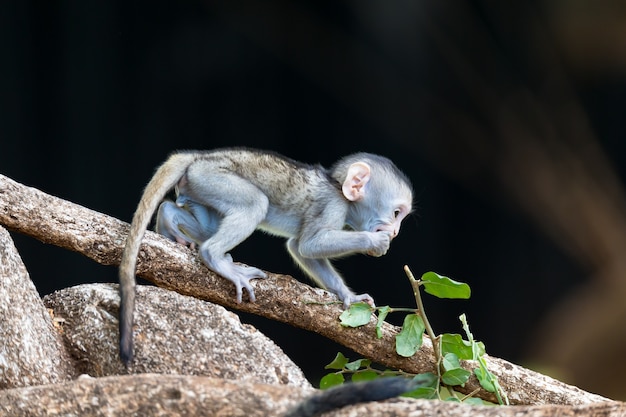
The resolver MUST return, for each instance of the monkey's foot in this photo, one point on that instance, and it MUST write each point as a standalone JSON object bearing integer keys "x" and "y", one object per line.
{"x": 354, "y": 298}
{"x": 238, "y": 274}
{"x": 241, "y": 278}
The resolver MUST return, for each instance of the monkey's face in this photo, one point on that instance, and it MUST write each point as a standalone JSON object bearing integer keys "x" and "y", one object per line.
{"x": 376, "y": 215}
{"x": 389, "y": 201}
{"x": 392, "y": 224}
{"x": 391, "y": 218}
{"x": 379, "y": 196}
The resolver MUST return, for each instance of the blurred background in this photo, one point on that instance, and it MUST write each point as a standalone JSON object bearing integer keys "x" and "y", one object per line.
{"x": 507, "y": 116}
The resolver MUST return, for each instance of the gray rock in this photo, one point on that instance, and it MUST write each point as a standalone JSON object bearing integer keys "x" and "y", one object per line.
{"x": 174, "y": 334}
{"x": 31, "y": 351}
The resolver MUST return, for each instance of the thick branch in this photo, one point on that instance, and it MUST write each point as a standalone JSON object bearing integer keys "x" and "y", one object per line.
{"x": 155, "y": 394}
{"x": 52, "y": 220}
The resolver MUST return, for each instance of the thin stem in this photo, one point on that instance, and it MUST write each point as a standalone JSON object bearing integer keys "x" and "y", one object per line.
{"x": 402, "y": 309}
{"x": 420, "y": 310}
{"x": 470, "y": 395}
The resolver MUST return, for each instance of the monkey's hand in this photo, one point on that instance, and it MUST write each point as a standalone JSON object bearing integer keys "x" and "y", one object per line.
{"x": 380, "y": 242}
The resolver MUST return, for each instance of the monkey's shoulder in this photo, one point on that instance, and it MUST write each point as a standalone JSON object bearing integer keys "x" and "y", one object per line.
{"x": 269, "y": 170}
{"x": 254, "y": 157}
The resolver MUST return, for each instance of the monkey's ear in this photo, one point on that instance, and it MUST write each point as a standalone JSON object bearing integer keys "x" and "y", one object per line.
{"x": 353, "y": 185}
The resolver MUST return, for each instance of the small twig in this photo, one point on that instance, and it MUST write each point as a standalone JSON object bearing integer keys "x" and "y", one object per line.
{"x": 420, "y": 310}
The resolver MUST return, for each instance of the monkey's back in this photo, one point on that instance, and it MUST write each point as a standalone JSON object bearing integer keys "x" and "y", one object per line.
{"x": 295, "y": 190}
{"x": 279, "y": 177}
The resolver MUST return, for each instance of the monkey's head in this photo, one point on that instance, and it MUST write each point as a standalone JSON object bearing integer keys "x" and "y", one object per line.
{"x": 380, "y": 195}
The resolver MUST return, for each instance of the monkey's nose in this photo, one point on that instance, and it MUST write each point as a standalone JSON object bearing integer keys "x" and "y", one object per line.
{"x": 392, "y": 232}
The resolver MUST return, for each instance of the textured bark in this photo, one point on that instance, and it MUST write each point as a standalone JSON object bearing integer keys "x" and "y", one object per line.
{"x": 100, "y": 237}
{"x": 167, "y": 395}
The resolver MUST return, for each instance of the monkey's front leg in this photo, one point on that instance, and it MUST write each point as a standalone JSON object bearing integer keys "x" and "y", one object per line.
{"x": 337, "y": 243}
{"x": 323, "y": 273}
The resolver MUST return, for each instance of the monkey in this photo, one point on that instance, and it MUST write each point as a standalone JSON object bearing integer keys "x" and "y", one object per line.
{"x": 224, "y": 195}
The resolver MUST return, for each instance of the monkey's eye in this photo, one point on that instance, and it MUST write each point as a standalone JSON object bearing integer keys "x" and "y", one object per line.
{"x": 396, "y": 213}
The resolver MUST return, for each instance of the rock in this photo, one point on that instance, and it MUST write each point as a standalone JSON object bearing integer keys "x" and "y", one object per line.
{"x": 31, "y": 350}
{"x": 174, "y": 334}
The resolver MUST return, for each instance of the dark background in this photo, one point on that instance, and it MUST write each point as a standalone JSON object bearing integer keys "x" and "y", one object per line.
{"x": 507, "y": 117}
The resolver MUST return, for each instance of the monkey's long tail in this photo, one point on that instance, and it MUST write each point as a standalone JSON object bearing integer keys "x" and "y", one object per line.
{"x": 355, "y": 393}
{"x": 165, "y": 178}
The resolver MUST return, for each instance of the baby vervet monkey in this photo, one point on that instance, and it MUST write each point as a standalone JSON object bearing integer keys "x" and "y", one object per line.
{"x": 224, "y": 195}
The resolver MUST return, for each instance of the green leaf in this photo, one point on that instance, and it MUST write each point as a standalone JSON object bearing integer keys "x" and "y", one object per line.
{"x": 382, "y": 315}
{"x": 409, "y": 340}
{"x": 331, "y": 380}
{"x": 452, "y": 399}
{"x": 454, "y": 374}
{"x": 485, "y": 378}
{"x": 478, "y": 348}
{"x": 444, "y": 287}
{"x": 425, "y": 393}
{"x": 364, "y": 376}
{"x": 457, "y": 376}
{"x": 339, "y": 362}
{"x": 355, "y": 365}
{"x": 450, "y": 361}
{"x": 454, "y": 343}
{"x": 357, "y": 315}
{"x": 475, "y": 401}
{"x": 429, "y": 383}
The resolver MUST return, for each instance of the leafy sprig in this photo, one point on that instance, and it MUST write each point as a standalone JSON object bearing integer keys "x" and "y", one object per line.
{"x": 449, "y": 349}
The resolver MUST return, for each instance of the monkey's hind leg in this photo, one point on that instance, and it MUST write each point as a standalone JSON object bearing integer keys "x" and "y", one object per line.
{"x": 243, "y": 206}
{"x": 173, "y": 221}
{"x": 186, "y": 222}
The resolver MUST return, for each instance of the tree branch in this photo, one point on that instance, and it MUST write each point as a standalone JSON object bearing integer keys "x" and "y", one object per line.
{"x": 279, "y": 297}
{"x": 155, "y": 394}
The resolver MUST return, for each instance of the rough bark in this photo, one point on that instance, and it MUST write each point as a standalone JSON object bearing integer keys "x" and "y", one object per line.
{"x": 166, "y": 395}
{"x": 100, "y": 237}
